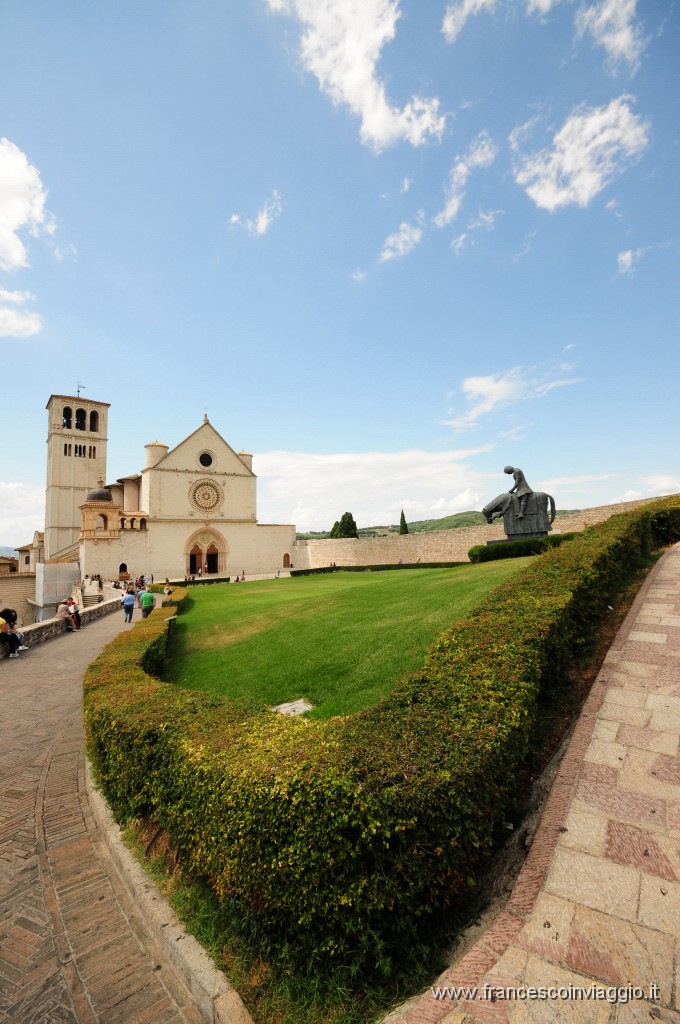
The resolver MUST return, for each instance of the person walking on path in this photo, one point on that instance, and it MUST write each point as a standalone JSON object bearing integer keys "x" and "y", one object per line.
{"x": 147, "y": 603}
{"x": 128, "y": 604}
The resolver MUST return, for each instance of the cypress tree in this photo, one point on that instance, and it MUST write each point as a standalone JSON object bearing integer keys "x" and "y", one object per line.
{"x": 346, "y": 527}
{"x": 403, "y": 525}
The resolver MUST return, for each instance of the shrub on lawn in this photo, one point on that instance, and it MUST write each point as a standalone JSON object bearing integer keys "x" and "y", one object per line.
{"x": 340, "y": 840}
{"x": 381, "y": 567}
{"x": 517, "y": 548}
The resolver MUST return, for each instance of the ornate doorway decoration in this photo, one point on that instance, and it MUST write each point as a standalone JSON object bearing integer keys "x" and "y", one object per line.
{"x": 206, "y": 550}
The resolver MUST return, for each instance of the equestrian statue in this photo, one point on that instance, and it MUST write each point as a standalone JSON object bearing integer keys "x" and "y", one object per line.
{"x": 526, "y": 513}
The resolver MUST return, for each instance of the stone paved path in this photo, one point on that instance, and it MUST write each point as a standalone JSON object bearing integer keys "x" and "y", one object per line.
{"x": 71, "y": 947}
{"x": 597, "y": 902}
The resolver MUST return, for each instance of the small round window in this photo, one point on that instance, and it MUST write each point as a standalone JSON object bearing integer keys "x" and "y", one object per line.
{"x": 206, "y": 459}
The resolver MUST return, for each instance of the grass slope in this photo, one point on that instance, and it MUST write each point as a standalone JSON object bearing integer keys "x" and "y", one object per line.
{"x": 342, "y": 641}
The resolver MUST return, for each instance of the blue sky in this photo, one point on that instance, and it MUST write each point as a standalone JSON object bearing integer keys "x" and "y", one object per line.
{"x": 389, "y": 246}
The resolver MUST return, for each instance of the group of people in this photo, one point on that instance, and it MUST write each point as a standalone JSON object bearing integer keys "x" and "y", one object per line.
{"x": 141, "y": 596}
{"x": 9, "y": 634}
{"x": 241, "y": 578}
{"x": 69, "y": 612}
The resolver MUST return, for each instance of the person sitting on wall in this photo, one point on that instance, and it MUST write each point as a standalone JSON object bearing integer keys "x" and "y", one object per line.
{"x": 64, "y": 612}
{"x": 9, "y": 634}
{"x": 75, "y": 614}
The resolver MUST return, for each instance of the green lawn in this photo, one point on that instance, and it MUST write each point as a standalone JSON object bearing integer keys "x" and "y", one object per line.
{"x": 341, "y": 640}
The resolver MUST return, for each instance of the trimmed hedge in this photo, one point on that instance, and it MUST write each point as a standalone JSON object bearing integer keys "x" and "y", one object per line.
{"x": 381, "y": 567}
{"x": 340, "y": 839}
{"x": 517, "y": 548}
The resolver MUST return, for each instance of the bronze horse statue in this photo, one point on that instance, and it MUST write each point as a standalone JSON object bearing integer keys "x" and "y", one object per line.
{"x": 536, "y": 520}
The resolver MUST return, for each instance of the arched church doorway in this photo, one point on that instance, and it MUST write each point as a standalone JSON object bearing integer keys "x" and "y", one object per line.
{"x": 195, "y": 560}
{"x": 212, "y": 559}
{"x": 286, "y": 561}
{"x": 206, "y": 550}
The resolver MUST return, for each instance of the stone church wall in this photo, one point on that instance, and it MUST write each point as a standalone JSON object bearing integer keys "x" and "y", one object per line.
{"x": 439, "y": 546}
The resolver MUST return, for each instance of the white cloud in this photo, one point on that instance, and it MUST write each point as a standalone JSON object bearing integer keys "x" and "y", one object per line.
{"x": 485, "y": 220}
{"x": 15, "y": 323}
{"x": 498, "y": 390}
{"x": 541, "y": 7}
{"x": 629, "y": 258}
{"x": 661, "y": 484}
{"x": 264, "y": 218}
{"x": 406, "y": 184}
{"x": 401, "y": 242}
{"x": 457, "y": 14}
{"x": 593, "y": 146}
{"x": 17, "y": 298}
{"x": 22, "y": 204}
{"x": 22, "y": 511}
{"x": 312, "y": 491}
{"x": 613, "y": 25}
{"x": 458, "y": 243}
{"x": 650, "y": 487}
{"x": 358, "y": 275}
{"x": 625, "y": 261}
{"x": 557, "y": 482}
{"x": 525, "y": 248}
{"x": 341, "y": 46}
{"x": 481, "y": 153}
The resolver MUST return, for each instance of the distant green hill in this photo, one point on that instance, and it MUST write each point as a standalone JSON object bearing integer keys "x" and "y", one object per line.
{"x": 454, "y": 522}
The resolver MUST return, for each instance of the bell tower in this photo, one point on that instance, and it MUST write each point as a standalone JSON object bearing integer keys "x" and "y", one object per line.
{"x": 76, "y": 460}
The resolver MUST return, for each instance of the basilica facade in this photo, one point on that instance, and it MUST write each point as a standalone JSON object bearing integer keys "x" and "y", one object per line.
{"x": 190, "y": 510}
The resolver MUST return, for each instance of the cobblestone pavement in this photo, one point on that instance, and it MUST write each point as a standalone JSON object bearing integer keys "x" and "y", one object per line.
{"x": 71, "y": 946}
{"x": 594, "y": 916}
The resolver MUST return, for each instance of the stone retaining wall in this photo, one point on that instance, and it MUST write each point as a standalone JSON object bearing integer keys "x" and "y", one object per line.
{"x": 438, "y": 546}
{"x": 40, "y": 631}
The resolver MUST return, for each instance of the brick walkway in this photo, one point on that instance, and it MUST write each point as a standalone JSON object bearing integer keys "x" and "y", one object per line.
{"x": 69, "y": 945}
{"x": 597, "y": 902}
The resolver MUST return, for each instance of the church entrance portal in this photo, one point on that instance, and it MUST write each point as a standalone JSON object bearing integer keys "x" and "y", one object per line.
{"x": 211, "y": 559}
{"x": 206, "y": 551}
{"x": 195, "y": 560}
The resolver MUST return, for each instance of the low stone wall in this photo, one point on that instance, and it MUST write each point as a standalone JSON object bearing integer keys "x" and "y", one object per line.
{"x": 409, "y": 548}
{"x": 438, "y": 546}
{"x": 40, "y": 631}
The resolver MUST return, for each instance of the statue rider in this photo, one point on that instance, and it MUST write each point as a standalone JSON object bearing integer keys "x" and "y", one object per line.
{"x": 521, "y": 488}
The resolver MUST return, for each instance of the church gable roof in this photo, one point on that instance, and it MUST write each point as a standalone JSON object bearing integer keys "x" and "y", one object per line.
{"x": 204, "y": 439}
